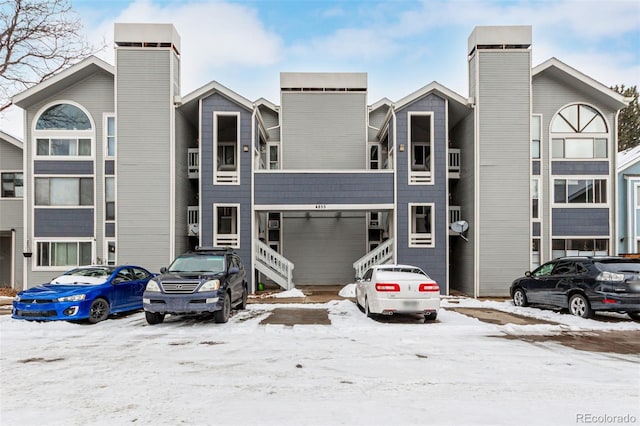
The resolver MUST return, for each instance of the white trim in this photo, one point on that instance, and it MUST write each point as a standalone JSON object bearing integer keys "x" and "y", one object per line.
{"x": 12, "y": 140}
{"x": 36, "y": 268}
{"x": 234, "y": 176}
{"x": 108, "y": 240}
{"x": 434, "y": 86}
{"x": 552, "y": 197}
{"x": 321, "y": 207}
{"x": 430, "y": 243}
{"x": 212, "y": 87}
{"x": 105, "y": 134}
{"x": 218, "y": 240}
{"x": 325, "y": 172}
{"x": 419, "y": 177}
{"x": 75, "y": 176}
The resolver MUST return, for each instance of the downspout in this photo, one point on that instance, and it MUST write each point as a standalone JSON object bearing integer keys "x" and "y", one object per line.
{"x": 252, "y": 285}
{"x": 613, "y": 212}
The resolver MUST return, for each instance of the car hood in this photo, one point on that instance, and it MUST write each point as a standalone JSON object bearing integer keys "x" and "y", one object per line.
{"x": 52, "y": 291}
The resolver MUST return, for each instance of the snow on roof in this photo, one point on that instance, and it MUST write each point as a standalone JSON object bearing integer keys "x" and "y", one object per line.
{"x": 628, "y": 157}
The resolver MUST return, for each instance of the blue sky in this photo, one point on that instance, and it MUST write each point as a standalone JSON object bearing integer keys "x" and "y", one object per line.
{"x": 402, "y": 45}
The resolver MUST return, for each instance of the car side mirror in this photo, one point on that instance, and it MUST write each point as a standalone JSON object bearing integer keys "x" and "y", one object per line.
{"x": 163, "y": 270}
{"x": 116, "y": 281}
{"x": 358, "y": 279}
{"x": 527, "y": 274}
{"x": 233, "y": 270}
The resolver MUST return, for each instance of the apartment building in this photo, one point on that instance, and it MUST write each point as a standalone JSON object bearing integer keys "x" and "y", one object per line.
{"x": 121, "y": 167}
{"x": 11, "y": 211}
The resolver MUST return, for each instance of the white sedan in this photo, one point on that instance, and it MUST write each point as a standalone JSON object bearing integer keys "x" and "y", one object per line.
{"x": 391, "y": 289}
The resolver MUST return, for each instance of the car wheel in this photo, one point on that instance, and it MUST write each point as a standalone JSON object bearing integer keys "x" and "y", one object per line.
{"x": 99, "y": 311}
{"x": 520, "y": 298}
{"x": 243, "y": 301}
{"x": 223, "y": 314}
{"x": 366, "y": 308}
{"x": 154, "y": 317}
{"x": 579, "y": 306}
{"x": 634, "y": 315}
{"x": 430, "y": 316}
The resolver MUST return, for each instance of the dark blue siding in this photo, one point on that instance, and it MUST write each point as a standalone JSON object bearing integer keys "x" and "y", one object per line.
{"x": 63, "y": 223}
{"x": 63, "y": 167}
{"x": 535, "y": 167}
{"x": 324, "y": 188}
{"x": 580, "y": 222}
{"x": 433, "y": 260}
{"x": 210, "y": 193}
{"x": 535, "y": 229}
{"x": 580, "y": 167}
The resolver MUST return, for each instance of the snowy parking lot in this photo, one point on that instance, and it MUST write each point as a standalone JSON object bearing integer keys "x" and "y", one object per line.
{"x": 355, "y": 370}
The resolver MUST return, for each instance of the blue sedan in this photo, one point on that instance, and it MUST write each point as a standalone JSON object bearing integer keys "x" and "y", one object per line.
{"x": 85, "y": 293}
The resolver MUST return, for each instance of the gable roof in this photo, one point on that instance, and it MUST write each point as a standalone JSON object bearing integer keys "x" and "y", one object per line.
{"x": 11, "y": 139}
{"x": 62, "y": 80}
{"x": 628, "y": 158}
{"x": 434, "y": 86}
{"x": 570, "y": 75}
{"x": 214, "y": 87}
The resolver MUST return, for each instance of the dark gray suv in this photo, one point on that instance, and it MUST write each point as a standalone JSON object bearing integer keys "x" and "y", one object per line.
{"x": 207, "y": 280}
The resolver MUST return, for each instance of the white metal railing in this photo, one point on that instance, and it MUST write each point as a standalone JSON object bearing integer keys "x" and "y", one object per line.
{"x": 378, "y": 256}
{"x": 193, "y": 223}
{"x": 193, "y": 162}
{"x": 276, "y": 263}
{"x": 227, "y": 176}
{"x": 226, "y": 240}
{"x": 419, "y": 177}
{"x": 454, "y": 160}
{"x": 420, "y": 240}
{"x": 454, "y": 214}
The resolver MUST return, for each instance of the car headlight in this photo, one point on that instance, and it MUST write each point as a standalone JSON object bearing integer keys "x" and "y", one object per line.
{"x": 16, "y": 298}
{"x": 152, "y": 285}
{"x": 75, "y": 298}
{"x": 210, "y": 285}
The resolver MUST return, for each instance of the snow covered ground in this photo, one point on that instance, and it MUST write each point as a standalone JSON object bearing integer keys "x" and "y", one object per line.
{"x": 456, "y": 371}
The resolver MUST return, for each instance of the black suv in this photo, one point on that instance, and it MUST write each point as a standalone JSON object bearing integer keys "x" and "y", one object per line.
{"x": 207, "y": 280}
{"x": 583, "y": 285}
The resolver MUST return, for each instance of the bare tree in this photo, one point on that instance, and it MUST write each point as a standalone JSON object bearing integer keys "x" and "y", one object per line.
{"x": 38, "y": 38}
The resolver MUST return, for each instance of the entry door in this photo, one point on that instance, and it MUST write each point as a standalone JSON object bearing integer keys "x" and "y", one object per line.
{"x": 6, "y": 259}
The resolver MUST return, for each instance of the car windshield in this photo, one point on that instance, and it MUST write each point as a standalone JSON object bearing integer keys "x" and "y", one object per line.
{"x": 630, "y": 266}
{"x": 85, "y": 276}
{"x": 199, "y": 263}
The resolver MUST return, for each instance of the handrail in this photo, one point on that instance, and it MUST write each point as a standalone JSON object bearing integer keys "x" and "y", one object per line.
{"x": 276, "y": 262}
{"x": 381, "y": 254}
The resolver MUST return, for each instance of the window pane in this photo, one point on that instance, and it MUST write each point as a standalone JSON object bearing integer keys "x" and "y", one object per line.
{"x": 560, "y": 191}
{"x": 86, "y": 191}
{"x": 43, "y": 254}
{"x": 111, "y": 126}
{"x": 64, "y": 191}
{"x": 43, "y": 146}
{"x": 578, "y": 148}
{"x": 63, "y": 117}
{"x": 64, "y": 147}
{"x": 535, "y": 149}
{"x": 110, "y": 189}
{"x": 111, "y": 146}
{"x": 227, "y": 128}
{"x": 558, "y": 148}
{"x": 42, "y": 191}
{"x": 110, "y": 210}
{"x": 535, "y": 127}
{"x": 19, "y": 185}
{"x": 560, "y": 125}
{"x": 111, "y": 253}
{"x": 597, "y": 125}
{"x": 420, "y": 128}
{"x": 84, "y": 147}
{"x": 600, "y": 191}
{"x": 578, "y": 191}
{"x": 64, "y": 254}
{"x": 85, "y": 253}
{"x": 601, "y": 148}
{"x": 570, "y": 114}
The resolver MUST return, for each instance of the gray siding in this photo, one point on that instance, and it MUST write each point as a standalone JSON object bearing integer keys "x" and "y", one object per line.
{"x": 324, "y": 188}
{"x": 60, "y": 223}
{"x": 503, "y": 117}
{"x": 580, "y": 222}
{"x": 549, "y": 96}
{"x": 63, "y": 167}
{"x": 337, "y": 243}
{"x": 432, "y": 260}
{"x": 462, "y": 258}
{"x": 11, "y": 218}
{"x": 145, "y": 116}
{"x": 324, "y": 131}
{"x": 580, "y": 168}
{"x": 209, "y": 193}
{"x": 96, "y": 94}
{"x": 377, "y": 116}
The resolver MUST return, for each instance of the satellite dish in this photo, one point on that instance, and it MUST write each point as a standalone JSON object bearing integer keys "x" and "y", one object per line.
{"x": 460, "y": 227}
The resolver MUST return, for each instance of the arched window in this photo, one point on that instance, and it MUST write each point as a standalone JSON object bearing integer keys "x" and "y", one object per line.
{"x": 63, "y": 130}
{"x": 579, "y": 131}
{"x": 63, "y": 117}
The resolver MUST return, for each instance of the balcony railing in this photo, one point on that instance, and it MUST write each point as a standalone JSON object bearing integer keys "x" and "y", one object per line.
{"x": 378, "y": 256}
{"x": 193, "y": 223}
{"x": 193, "y": 163}
{"x": 454, "y": 216}
{"x": 454, "y": 163}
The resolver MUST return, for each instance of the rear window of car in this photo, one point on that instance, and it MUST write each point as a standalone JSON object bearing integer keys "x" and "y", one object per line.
{"x": 631, "y": 265}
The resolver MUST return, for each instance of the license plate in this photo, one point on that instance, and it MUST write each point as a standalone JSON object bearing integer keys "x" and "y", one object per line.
{"x": 410, "y": 303}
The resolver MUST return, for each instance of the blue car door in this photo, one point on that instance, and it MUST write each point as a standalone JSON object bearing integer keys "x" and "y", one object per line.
{"x": 123, "y": 289}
